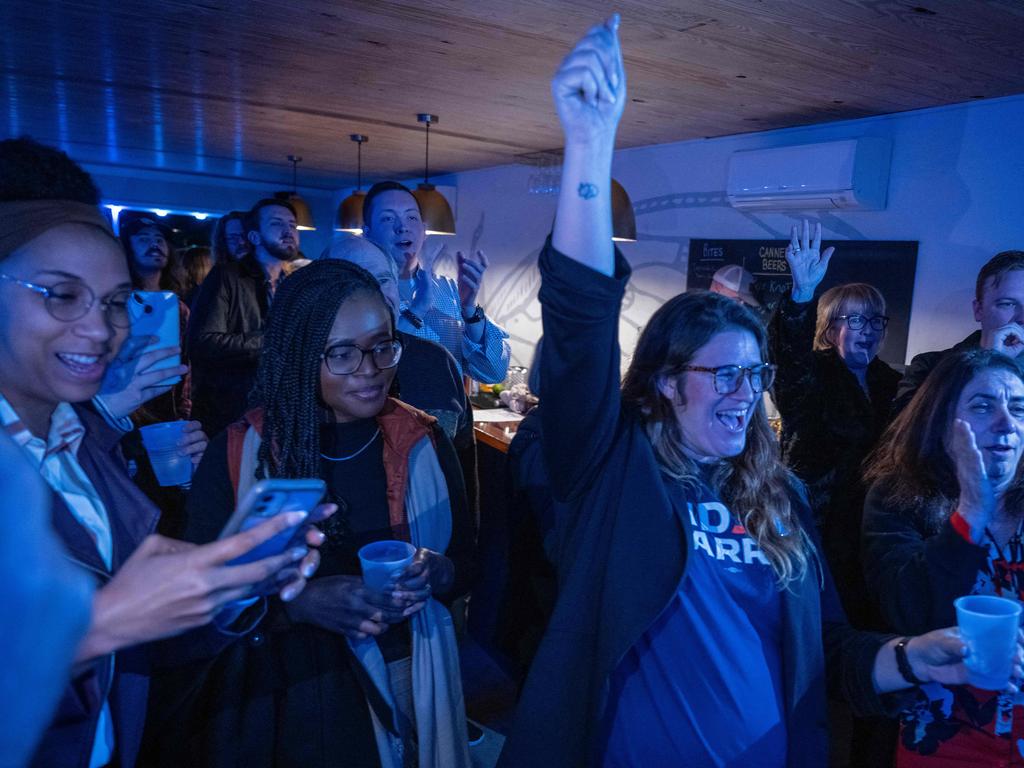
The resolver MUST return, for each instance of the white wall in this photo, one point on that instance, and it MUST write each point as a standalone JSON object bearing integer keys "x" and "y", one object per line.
{"x": 957, "y": 186}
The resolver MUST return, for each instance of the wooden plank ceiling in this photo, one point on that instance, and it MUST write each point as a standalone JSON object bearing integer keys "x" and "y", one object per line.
{"x": 230, "y": 87}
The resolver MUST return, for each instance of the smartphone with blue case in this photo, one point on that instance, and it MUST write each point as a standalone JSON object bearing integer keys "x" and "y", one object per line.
{"x": 156, "y": 314}
{"x": 267, "y": 499}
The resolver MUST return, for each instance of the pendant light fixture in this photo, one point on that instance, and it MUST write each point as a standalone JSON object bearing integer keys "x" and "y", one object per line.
{"x": 303, "y": 218}
{"x": 434, "y": 209}
{"x": 350, "y": 212}
{"x": 623, "y": 217}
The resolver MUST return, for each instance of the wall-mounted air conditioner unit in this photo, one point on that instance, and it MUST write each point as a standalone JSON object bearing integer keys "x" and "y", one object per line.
{"x": 852, "y": 174}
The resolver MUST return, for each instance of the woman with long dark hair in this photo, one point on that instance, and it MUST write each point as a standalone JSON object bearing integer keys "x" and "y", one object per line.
{"x": 346, "y": 676}
{"x": 945, "y": 518}
{"x": 229, "y": 241}
{"x": 196, "y": 263}
{"x": 696, "y": 622}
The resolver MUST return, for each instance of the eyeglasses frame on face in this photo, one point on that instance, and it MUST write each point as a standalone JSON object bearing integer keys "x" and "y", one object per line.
{"x": 867, "y": 321}
{"x": 47, "y": 292}
{"x": 362, "y": 356}
{"x": 746, "y": 373}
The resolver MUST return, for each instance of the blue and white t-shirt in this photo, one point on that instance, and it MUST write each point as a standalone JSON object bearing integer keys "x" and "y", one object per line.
{"x": 703, "y": 686}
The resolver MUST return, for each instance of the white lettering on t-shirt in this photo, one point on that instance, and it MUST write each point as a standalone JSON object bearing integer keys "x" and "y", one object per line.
{"x": 714, "y": 511}
{"x": 700, "y": 541}
{"x": 727, "y": 548}
{"x": 712, "y": 517}
{"x": 752, "y": 552}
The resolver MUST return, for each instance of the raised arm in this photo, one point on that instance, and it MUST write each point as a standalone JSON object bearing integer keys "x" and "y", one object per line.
{"x": 792, "y": 326}
{"x": 589, "y": 90}
{"x": 581, "y": 282}
{"x": 484, "y": 348}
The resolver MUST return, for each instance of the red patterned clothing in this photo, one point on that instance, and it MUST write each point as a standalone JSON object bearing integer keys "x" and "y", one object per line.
{"x": 962, "y": 725}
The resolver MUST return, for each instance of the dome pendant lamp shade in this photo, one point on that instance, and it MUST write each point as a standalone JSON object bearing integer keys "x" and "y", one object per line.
{"x": 434, "y": 209}
{"x": 303, "y": 216}
{"x": 623, "y": 218}
{"x": 350, "y": 212}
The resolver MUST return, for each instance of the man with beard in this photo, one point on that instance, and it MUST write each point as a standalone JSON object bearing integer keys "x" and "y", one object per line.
{"x": 150, "y": 261}
{"x": 435, "y": 307}
{"x": 225, "y": 331}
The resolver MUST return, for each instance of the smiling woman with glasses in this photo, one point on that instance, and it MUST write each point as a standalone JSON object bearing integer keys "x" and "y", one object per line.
{"x": 64, "y": 285}
{"x": 695, "y": 618}
{"x": 857, "y": 322}
{"x": 69, "y": 300}
{"x": 835, "y": 396}
{"x": 323, "y": 410}
{"x": 345, "y": 359}
{"x": 729, "y": 378}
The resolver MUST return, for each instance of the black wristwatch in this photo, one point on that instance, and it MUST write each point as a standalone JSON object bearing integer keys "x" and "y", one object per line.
{"x": 476, "y": 317}
{"x": 903, "y": 663}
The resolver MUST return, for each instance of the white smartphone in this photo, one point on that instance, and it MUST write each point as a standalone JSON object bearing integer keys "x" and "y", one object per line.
{"x": 155, "y": 313}
{"x": 267, "y": 499}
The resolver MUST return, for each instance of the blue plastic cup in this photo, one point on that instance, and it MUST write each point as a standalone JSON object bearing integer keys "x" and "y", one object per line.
{"x": 170, "y": 465}
{"x": 384, "y": 561}
{"x": 988, "y": 625}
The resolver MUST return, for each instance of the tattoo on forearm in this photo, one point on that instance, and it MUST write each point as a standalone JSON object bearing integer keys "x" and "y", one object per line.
{"x": 587, "y": 191}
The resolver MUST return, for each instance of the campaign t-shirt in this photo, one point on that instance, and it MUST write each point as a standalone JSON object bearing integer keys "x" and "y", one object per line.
{"x": 703, "y": 686}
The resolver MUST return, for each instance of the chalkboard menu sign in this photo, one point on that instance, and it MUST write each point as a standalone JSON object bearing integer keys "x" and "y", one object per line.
{"x": 888, "y": 265}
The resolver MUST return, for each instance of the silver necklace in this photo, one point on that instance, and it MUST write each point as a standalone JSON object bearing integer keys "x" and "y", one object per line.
{"x": 369, "y": 442}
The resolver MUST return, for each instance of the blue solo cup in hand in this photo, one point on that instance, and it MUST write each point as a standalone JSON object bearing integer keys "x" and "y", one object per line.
{"x": 384, "y": 561}
{"x": 170, "y": 465}
{"x": 988, "y": 626}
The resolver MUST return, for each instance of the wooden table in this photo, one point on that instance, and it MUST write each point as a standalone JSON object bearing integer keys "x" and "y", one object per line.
{"x": 497, "y": 434}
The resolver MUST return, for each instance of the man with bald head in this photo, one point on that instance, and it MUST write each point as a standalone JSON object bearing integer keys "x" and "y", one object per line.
{"x": 363, "y": 253}
{"x": 428, "y": 377}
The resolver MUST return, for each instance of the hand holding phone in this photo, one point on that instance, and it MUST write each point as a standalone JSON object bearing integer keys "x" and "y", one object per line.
{"x": 167, "y": 586}
{"x": 156, "y": 324}
{"x": 133, "y": 380}
{"x": 267, "y": 499}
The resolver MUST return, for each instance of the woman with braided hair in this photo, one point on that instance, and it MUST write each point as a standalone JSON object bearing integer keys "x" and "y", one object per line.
{"x": 331, "y": 679}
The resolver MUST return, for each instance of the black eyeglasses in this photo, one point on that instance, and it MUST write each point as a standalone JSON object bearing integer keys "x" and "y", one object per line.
{"x": 343, "y": 359}
{"x": 69, "y": 301}
{"x": 856, "y": 322}
{"x": 729, "y": 378}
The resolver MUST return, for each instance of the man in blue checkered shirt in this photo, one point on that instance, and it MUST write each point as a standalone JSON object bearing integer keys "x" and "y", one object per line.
{"x": 435, "y": 307}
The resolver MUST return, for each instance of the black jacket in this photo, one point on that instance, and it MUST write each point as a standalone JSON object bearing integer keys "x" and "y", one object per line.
{"x": 828, "y": 428}
{"x": 292, "y": 694}
{"x": 915, "y": 563}
{"x": 225, "y": 336}
{"x": 622, "y": 549}
{"x": 922, "y": 365}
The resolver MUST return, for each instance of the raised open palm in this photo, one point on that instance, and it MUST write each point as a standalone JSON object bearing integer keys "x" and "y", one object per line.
{"x": 977, "y": 496}
{"x": 807, "y": 263}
